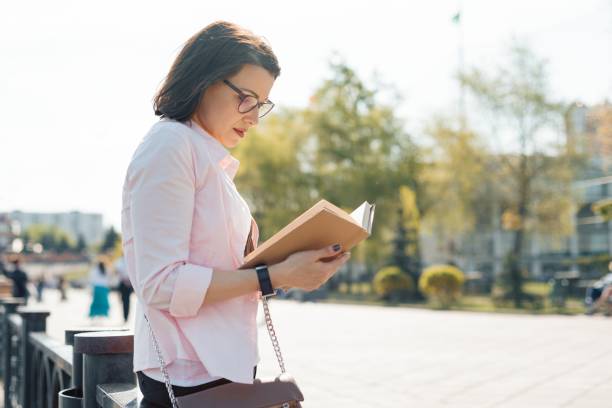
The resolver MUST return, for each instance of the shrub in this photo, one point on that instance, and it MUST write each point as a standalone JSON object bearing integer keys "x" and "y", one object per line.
{"x": 442, "y": 283}
{"x": 391, "y": 284}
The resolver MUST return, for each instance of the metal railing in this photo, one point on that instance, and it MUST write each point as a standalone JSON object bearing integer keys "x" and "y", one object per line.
{"x": 91, "y": 369}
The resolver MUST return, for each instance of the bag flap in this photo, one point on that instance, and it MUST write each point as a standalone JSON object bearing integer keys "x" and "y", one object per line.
{"x": 260, "y": 394}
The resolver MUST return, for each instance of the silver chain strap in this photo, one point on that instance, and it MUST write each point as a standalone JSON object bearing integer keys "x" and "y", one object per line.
{"x": 271, "y": 332}
{"x": 162, "y": 366}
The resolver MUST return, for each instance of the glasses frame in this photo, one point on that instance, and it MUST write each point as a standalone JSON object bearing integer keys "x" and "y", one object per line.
{"x": 244, "y": 95}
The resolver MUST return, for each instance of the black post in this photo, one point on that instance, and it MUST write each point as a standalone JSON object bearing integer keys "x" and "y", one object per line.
{"x": 107, "y": 358}
{"x": 32, "y": 321}
{"x": 10, "y": 306}
{"x": 77, "y": 358}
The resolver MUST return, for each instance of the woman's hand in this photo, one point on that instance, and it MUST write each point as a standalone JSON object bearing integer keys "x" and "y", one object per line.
{"x": 308, "y": 270}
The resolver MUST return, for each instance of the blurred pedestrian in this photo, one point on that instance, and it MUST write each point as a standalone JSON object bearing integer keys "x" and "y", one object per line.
{"x": 99, "y": 282}
{"x": 604, "y": 302}
{"x": 20, "y": 280}
{"x": 61, "y": 286}
{"x": 40, "y": 287}
{"x": 125, "y": 286}
{"x": 599, "y": 296}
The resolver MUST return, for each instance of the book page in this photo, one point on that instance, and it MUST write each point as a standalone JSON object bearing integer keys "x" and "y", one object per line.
{"x": 359, "y": 214}
{"x": 364, "y": 215}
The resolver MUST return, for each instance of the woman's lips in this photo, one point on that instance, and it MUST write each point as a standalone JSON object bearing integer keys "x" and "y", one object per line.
{"x": 240, "y": 132}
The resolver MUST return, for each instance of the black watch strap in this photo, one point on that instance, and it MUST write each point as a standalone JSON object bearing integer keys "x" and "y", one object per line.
{"x": 265, "y": 283}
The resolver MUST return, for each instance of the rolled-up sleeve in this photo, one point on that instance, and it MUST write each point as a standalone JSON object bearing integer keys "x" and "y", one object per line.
{"x": 162, "y": 195}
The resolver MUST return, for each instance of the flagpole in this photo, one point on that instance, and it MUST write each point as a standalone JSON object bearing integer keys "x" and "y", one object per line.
{"x": 460, "y": 65}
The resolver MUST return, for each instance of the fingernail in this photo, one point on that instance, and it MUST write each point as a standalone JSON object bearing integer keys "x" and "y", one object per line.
{"x": 336, "y": 247}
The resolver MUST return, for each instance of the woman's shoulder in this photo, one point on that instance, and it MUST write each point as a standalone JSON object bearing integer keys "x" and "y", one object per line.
{"x": 169, "y": 131}
{"x": 166, "y": 138}
{"x": 167, "y": 145}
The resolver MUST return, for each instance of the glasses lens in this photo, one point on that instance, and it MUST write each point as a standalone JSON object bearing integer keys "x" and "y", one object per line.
{"x": 265, "y": 108}
{"x": 248, "y": 103}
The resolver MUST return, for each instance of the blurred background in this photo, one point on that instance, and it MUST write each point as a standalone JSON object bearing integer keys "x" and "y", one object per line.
{"x": 481, "y": 130}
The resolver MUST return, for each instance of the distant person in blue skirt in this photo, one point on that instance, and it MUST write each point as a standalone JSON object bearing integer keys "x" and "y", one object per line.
{"x": 99, "y": 282}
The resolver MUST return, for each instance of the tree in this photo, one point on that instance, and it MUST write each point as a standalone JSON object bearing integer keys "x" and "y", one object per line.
{"x": 346, "y": 147}
{"x": 456, "y": 183}
{"x": 273, "y": 177}
{"x": 359, "y": 151}
{"x": 62, "y": 245}
{"x": 603, "y": 208}
{"x": 27, "y": 244}
{"x": 81, "y": 244}
{"x": 51, "y": 237}
{"x": 534, "y": 176}
{"x": 406, "y": 240}
{"x": 110, "y": 241}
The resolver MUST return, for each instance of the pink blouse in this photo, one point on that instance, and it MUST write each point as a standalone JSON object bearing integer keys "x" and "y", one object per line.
{"x": 181, "y": 217}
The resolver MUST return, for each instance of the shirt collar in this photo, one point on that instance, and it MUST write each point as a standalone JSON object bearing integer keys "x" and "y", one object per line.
{"x": 218, "y": 153}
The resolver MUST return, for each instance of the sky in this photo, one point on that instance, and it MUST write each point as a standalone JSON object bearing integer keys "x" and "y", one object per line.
{"x": 77, "y": 77}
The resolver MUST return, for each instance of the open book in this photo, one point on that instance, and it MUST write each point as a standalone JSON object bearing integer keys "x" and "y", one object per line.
{"x": 322, "y": 225}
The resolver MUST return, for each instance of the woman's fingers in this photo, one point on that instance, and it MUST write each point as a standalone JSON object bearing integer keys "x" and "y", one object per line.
{"x": 310, "y": 269}
{"x": 334, "y": 265}
{"x": 325, "y": 252}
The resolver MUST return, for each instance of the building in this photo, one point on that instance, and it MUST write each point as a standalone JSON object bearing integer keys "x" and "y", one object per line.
{"x": 7, "y": 233}
{"x": 589, "y": 131}
{"x": 75, "y": 223}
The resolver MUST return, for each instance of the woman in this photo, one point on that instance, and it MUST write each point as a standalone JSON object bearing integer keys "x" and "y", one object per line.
{"x": 186, "y": 227}
{"x": 99, "y": 283}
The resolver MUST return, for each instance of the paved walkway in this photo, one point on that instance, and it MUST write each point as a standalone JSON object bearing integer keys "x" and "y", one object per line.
{"x": 364, "y": 356}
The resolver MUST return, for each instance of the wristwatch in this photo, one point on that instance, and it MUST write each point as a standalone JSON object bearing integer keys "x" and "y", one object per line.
{"x": 265, "y": 283}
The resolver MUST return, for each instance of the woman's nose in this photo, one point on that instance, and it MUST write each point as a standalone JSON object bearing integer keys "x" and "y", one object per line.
{"x": 252, "y": 117}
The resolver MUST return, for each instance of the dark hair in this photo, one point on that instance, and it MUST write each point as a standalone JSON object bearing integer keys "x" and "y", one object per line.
{"x": 218, "y": 51}
{"x": 102, "y": 267}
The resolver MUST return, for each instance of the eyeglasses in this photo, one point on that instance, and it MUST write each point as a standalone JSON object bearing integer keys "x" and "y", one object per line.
{"x": 250, "y": 102}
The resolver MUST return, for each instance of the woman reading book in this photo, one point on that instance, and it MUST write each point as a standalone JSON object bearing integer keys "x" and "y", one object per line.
{"x": 186, "y": 229}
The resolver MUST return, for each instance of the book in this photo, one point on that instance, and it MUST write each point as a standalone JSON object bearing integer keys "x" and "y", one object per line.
{"x": 321, "y": 225}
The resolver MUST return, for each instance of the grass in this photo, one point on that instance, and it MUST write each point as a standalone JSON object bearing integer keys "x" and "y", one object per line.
{"x": 537, "y": 288}
{"x": 362, "y": 293}
{"x": 485, "y": 304}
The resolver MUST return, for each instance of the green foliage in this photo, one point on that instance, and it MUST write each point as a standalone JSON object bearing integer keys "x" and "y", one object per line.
{"x": 531, "y": 301}
{"x": 63, "y": 245}
{"x": 81, "y": 244}
{"x": 406, "y": 240}
{"x": 457, "y": 186}
{"x": 346, "y": 147}
{"x": 533, "y": 182}
{"x": 391, "y": 284}
{"x": 533, "y": 178}
{"x": 274, "y": 177}
{"x": 410, "y": 218}
{"x": 360, "y": 149}
{"x": 604, "y": 209}
{"x": 442, "y": 283}
{"x": 50, "y": 237}
{"x": 111, "y": 241}
{"x": 454, "y": 178}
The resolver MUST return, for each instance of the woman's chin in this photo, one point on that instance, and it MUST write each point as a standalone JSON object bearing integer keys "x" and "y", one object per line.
{"x": 232, "y": 143}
